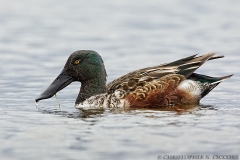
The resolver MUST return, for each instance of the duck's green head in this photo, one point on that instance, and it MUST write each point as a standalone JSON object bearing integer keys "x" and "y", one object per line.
{"x": 83, "y": 66}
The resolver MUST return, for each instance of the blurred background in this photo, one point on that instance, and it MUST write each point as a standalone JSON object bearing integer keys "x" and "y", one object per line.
{"x": 36, "y": 38}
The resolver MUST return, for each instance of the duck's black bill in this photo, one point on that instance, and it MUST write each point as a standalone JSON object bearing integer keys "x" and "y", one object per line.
{"x": 58, "y": 84}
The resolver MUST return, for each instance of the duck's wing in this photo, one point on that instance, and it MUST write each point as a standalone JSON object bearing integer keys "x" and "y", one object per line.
{"x": 184, "y": 67}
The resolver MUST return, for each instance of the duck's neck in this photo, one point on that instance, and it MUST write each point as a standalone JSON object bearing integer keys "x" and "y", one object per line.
{"x": 90, "y": 88}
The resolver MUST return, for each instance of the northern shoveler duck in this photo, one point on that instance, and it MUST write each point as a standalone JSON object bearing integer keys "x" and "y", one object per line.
{"x": 164, "y": 85}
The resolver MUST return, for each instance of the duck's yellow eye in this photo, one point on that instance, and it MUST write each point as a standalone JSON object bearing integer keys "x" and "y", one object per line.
{"x": 77, "y": 61}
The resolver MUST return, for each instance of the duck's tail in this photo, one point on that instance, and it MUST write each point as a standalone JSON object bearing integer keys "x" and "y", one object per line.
{"x": 207, "y": 83}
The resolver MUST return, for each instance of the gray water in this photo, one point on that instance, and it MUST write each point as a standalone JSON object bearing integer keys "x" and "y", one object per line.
{"x": 36, "y": 38}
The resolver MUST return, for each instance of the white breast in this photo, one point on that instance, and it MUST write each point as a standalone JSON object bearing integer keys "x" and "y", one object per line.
{"x": 104, "y": 101}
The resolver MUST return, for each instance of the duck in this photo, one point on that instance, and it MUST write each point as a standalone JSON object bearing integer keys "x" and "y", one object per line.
{"x": 166, "y": 85}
